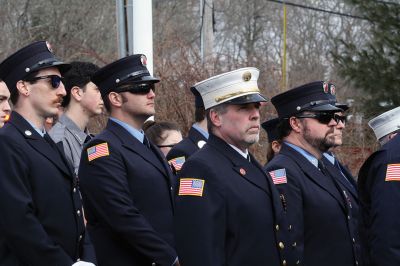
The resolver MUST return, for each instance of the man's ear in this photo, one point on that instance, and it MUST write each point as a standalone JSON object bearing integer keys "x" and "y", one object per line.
{"x": 23, "y": 88}
{"x": 295, "y": 124}
{"x": 76, "y": 93}
{"x": 115, "y": 99}
{"x": 215, "y": 118}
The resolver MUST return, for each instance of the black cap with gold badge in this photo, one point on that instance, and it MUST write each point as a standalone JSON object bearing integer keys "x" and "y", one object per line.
{"x": 317, "y": 96}
{"x": 34, "y": 57}
{"x": 128, "y": 70}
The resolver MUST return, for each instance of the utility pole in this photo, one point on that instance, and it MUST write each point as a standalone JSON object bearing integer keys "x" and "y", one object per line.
{"x": 207, "y": 29}
{"x": 135, "y": 29}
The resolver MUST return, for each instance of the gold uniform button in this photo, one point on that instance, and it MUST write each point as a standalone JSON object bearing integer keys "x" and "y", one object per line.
{"x": 281, "y": 245}
{"x": 284, "y": 263}
{"x": 277, "y": 227}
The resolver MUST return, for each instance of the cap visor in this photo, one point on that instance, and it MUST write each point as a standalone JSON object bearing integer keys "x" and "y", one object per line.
{"x": 342, "y": 106}
{"x": 325, "y": 107}
{"x": 63, "y": 67}
{"x": 250, "y": 98}
{"x": 144, "y": 79}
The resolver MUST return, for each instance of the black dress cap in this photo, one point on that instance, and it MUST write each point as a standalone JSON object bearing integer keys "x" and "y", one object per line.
{"x": 128, "y": 70}
{"x": 271, "y": 127}
{"x": 34, "y": 57}
{"x": 317, "y": 96}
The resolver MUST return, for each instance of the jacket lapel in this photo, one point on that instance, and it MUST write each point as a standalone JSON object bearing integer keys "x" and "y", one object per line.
{"x": 340, "y": 178}
{"x": 313, "y": 173}
{"x": 240, "y": 165}
{"x": 38, "y": 143}
{"x": 195, "y": 136}
{"x": 134, "y": 145}
{"x": 349, "y": 176}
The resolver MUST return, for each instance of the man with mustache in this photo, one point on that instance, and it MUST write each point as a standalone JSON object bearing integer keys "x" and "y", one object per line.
{"x": 81, "y": 103}
{"x": 126, "y": 183}
{"x": 5, "y": 108}
{"x": 40, "y": 205}
{"x": 228, "y": 211}
{"x": 318, "y": 206}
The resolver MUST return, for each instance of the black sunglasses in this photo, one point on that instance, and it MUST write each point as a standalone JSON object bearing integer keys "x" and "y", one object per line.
{"x": 167, "y": 145}
{"x": 143, "y": 88}
{"x": 325, "y": 118}
{"x": 55, "y": 80}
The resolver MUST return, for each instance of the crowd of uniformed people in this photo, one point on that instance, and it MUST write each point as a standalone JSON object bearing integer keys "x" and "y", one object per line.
{"x": 137, "y": 194}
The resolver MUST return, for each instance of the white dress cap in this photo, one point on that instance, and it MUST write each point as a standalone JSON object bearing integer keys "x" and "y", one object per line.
{"x": 386, "y": 123}
{"x": 228, "y": 86}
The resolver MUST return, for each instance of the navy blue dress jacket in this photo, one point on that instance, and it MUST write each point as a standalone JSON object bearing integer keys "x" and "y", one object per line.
{"x": 379, "y": 191}
{"x": 320, "y": 210}
{"x": 128, "y": 200}
{"x": 40, "y": 207}
{"x": 238, "y": 220}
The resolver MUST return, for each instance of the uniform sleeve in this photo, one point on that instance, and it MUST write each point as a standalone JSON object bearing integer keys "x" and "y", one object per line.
{"x": 20, "y": 227}
{"x": 105, "y": 188}
{"x": 292, "y": 202}
{"x": 200, "y": 220}
{"x": 384, "y": 235}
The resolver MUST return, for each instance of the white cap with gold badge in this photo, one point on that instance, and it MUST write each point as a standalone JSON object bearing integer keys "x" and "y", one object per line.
{"x": 386, "y": 123}
{"x": 234, "y": 87}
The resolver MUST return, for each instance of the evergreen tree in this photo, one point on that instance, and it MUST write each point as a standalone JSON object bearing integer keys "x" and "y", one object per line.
{"x": 374, "y": 68}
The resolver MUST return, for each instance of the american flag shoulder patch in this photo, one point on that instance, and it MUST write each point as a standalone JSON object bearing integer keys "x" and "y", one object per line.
{"x": 279, "y": 176}
{"x": 393, "y": 172}
{"x": 177, "y": 163}
{"x": 98, "y": 151}
{"x": 191, "y": 187}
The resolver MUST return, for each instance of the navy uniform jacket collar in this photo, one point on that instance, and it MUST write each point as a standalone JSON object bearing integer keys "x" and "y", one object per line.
{"x": 195, "y": 136}
{"x": 139, "y": 148}
{"x": 312, "y": 173}
{"x": 253, "y": 171}
{"x": 39, "y": 144}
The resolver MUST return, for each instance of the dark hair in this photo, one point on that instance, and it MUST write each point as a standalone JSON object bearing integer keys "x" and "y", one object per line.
{"x": 199, "y": 114}
{"x": 284, "y": 128}
{"x": 79, "y": 75}
{"x": 270, "y": 152}
{"x": 14, "y": 94}
{"x": 155, "y": 130}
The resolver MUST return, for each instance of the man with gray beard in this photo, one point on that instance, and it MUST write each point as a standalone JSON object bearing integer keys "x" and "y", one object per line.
{"x": 228, "y": 211}
{"x": 318, "y": 207}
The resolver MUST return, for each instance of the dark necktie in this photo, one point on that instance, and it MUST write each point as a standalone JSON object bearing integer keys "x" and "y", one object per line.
{"x": 88, "y": 138}
{"x": 146, "y": 141}
{"x": 343, "y": 192}
{"x": 323, "y": 169}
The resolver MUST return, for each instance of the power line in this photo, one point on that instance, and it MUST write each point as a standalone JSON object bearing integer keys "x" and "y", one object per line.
{"x": 319, "y": 9}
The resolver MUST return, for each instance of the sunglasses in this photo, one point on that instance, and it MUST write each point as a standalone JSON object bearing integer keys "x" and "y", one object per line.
{"x": 143, "y": 88}
{"x": 325, "y": 118}
{"x": 55, "y": 80}
{"x": 167, "y": 145}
